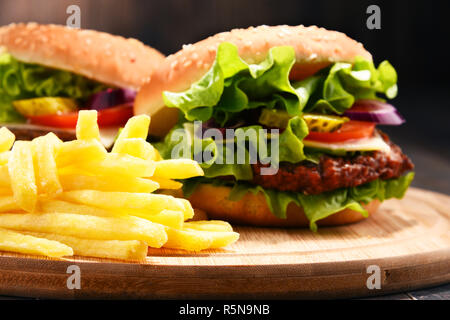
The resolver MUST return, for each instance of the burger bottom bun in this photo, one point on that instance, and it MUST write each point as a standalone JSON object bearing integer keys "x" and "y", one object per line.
{"x": 252, "y": 209}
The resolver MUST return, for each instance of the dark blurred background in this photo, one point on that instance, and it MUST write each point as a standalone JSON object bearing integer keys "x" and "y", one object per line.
{"x": 414, "y": 37}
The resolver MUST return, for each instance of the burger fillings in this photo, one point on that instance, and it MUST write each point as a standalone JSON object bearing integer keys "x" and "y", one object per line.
{"x": 323, "y": 169}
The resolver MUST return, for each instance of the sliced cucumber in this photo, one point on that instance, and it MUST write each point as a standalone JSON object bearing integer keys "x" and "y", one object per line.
{"x": 44, "y": 106}
{"x": 316, "y": 122}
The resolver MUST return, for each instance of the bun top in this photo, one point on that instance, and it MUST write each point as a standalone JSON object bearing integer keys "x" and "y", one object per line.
{"x": 315, "y": 48}
{"x": 106, "y": 58}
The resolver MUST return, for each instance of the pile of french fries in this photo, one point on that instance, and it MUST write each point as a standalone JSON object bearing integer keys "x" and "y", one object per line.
{"x": 75, "y": 198}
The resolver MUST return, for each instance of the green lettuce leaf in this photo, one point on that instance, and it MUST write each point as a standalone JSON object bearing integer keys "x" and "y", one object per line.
{"x": 181, "y": 142}
{"x": 316, "y": 207}
{"x": 19, "y": 80}
{"x": 232, "y": 86}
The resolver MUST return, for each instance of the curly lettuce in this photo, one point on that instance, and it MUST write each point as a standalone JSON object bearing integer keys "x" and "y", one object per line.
{"x": 19, "y": 80}
{"x": 233, "y": 85}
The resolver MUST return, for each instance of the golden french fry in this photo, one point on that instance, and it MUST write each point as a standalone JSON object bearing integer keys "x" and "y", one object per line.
{"x": 209, "y": 225}
{"x": 220, "y": 239}
{"x": 136, "y": 127}
{"x": 80, "y": 151}
{"x": 87, "y": 127}
{"x": 112, "y": 249}
{"x": 5, "y": 191}
{"x": 177, "y": 169}
{"x": 107, "y": 183}
{"x": 169, "y": 218}
{"x": 136, "y": 147}
{"x": 167, "y": 183}
{"x": 188, "y": 210}
{"x": 88, "y": 227}
{"x": 188, "y": 239}
{"x": 8, "y": 204}
{"x": 120, "y": 164}
{"x": 58, "y": 206}
{"x": 157, "y": 155}
{"x": 22, "y": 176}
{"x": 4, "y": 157}
{"x": 126, "y": 202}
{"x": 4, "y": 177}
{"x": 17, "y": 242}
{"x": 47, "y": 179}
{"x": 7, "y": 139}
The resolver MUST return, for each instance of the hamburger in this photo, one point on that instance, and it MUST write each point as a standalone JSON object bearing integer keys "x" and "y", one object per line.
{"x": 49, "y": 72}
{"x": 317, "y": 98}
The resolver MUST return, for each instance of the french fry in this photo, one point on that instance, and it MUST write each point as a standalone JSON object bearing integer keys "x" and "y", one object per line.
{"x": 136, "y": 147}
{"x": 169, "y": 218}
{"x": 17, "y": 242}
{"x": 196, "y": 240}
{"x": 107, "y": 183}
{"x": 220, "y": 239}
{"x": 7, "y": 139}
{"x": 221, "y": 232}
{"x": 80, "y": 151}
{"x": 209, "y": 225}
{"x": 188, "y": 210}
{"x": 87, "y": 127}
{"x": 112, "y": 249}
{"x": 189, "y": 240}
{"x": 5, "y": 191}
{"x": 126, "y": 202}
{"x": 46, "y": 171}
{"x": 167, "y": 183}
{"x": 58, "y": 206}
{"x": 22, "y": 176}
{"x": 136, "y": 127}
{"x": 177, "y": 169}
{"x": 4, "y": 157}
{"x": 8, "y": 204}
{"x": 120, "y": 164}
{"x": 88, "y": 227}
{"x": 4, "y": 177}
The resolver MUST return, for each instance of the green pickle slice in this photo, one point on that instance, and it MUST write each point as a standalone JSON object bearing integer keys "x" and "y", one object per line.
{"x": 45, "y": 106}
{"x": 316, "y": 122}
{"x": 323, "y": 123}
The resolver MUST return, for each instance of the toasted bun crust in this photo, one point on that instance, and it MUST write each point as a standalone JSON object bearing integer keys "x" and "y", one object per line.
{"x": 315, "y": 48}
{"x": 110, "y": 59}
{"x": 252, "y": 209}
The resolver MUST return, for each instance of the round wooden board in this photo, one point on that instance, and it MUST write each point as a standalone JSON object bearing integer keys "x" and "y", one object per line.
{"x": 409, "y": 240}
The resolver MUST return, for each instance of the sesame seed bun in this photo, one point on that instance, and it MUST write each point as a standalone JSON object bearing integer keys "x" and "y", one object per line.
{"x": 252, "y": 209}
{"x": 315, "y": 48}
{"x": 113, "y": 60}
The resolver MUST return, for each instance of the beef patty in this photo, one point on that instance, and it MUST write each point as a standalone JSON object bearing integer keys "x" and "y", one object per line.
{"x": 335, "y": 172}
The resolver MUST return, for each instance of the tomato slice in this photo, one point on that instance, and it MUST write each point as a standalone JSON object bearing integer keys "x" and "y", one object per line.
{"x": 350, "y": 130}
{"x": 115, "y": 116}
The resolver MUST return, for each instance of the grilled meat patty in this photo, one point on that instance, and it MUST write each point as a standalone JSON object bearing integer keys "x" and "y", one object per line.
{"x": 335, "y": 172}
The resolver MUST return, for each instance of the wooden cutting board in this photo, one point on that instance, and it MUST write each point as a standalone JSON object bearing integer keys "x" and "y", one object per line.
{"x": 408, "y": 241}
